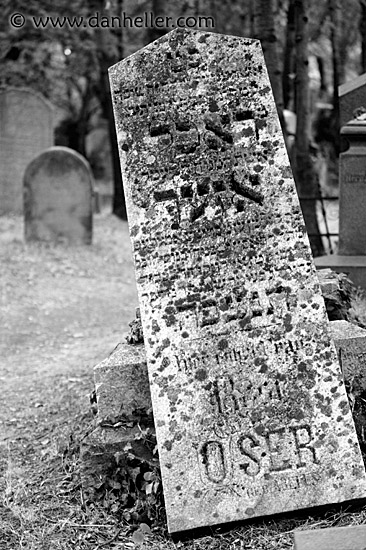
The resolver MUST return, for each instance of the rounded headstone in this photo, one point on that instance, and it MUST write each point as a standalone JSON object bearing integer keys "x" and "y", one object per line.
{"x": 58, "y": 192}
{"x": 26, "y": 129}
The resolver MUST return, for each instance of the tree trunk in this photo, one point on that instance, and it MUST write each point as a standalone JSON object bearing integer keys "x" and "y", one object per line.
{"x": 266, "y": 32}
{"x": 289, "y": 60}
{"x": 119, "y": 204}
{"x": 304, "y": 170}
{"x": 323, "y": 81}
{"x": 253, "y": 18}
{"x": 81, "y": 136}
{"x": 335, "y": 13}
{"x": 363, "y": 35}
{"x": 107, "y": 58}
{"x": 83, "y": 121}
{"x": 158, "y": 9}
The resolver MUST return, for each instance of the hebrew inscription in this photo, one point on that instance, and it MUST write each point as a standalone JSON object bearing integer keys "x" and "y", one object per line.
{"x": 249, "y": 403}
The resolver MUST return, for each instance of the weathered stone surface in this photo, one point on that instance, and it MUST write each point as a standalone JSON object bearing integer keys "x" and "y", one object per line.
{"x": 121, "y": 384}
{"x": 352, "y": 537}
{"x": 250, "y": 408}
{"x": 25, "y": 131}
{"x": 122, "y": 392}
{"x": 350, "y": 342}
{"x": 58, "y": 197}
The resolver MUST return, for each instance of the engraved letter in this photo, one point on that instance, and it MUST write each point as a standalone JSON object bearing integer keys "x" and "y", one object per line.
{"x": 277, "y": 445}
{"x": 305, "y": 451}
{"x": 245, "y": 443}
{"x": 213, "y": 459}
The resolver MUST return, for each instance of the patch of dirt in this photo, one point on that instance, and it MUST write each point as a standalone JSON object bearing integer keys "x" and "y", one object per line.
{"x": 63, "y": 310}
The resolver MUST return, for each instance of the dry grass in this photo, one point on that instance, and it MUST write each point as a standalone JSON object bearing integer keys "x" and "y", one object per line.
{"x": 44, "y": 409}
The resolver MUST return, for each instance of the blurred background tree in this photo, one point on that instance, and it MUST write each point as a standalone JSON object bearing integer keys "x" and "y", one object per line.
{"x": 310, "y": 48}
{"x": 69, "y": 66}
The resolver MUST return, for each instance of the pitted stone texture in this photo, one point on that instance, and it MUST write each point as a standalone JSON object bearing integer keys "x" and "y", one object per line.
{"x": 58, "y": 194}
{"x": 25, "y": 131}
{"x": 249, "y": 403}
{"x": 121, "y": 384}
{"x": 350, "y": 342}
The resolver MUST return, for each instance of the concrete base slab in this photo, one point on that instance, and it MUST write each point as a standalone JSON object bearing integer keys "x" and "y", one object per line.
{"x": 335, "y": 538}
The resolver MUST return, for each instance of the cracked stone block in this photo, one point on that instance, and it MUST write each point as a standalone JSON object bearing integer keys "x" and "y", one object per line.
{"x": 121, "y": 384}
{"x": 123, "y": 403}
{"x": 350, "y": 342}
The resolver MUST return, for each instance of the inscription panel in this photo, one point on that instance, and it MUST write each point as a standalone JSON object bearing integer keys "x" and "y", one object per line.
{"x": 352, "y": 200}
{"x": 249, "y": 403}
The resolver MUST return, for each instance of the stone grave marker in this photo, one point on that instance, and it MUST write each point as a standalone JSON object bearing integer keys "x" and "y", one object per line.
{"x": 352, "y": 537}
{"x": 25, "y": 131}
{"x": 352, "y": 203}
{"x": 121, "y": 389}
{"x": 250, "y": 407}
{"x": 58, "y": 193}
{"x": 352, "y": 95}
{"x": 352, "y": 190}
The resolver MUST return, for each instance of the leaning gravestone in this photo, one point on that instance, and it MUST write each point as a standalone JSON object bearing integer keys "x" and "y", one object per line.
{"x": 249, "y": 403}
{"x": 25, "y": 130}
{"x": 58, "y": 193}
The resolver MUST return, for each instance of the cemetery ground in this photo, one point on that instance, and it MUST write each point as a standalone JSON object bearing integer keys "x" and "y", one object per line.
{"x": 64, "y": 310}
